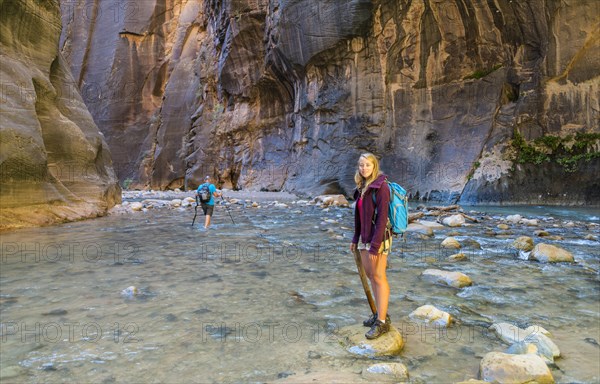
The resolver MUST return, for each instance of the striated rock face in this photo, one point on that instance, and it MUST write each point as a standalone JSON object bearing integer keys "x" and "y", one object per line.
{"x": 55, "y": 164}
{"x": 271, "y": 94}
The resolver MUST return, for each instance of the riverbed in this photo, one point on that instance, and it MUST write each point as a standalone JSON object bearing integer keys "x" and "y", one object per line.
{"x": 260, "y": 296}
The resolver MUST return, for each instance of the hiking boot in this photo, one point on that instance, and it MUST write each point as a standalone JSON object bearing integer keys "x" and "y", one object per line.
{"x": 371, "y": 320}
{"x": 377, "y": 329}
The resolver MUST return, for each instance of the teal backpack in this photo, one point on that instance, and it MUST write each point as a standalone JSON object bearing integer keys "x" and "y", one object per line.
{"x": 398, "y": 209}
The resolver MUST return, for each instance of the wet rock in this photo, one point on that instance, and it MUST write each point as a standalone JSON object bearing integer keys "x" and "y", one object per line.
{"x": 56, "y": 312}
{"x": 431, "y": 224}
{"x": 176, "y": 203}
{"x": 388, "y": 344}
{"x": 541, "y": 233}
{"x": 457, "y": 257}
{"x": 452, "y": 279}
{"x": 130, "y": 291}
{"x": 333, "y": 200}
{"x": 471, "y": 243}
{"x": 450, "y": 243}
{"x": 591, "y": 237}
{"x": 547, "y": 253}
{"x": 11, "y": 372}
{"x": 503, "y": 226}
{"x": 554, "y": 237}
{"x": 431, "y": 315}
{"x": 473, "y": 381}
{"x": 543, "y": 350}
{"x": 511, "y": 334}
{"x": 569, "y": 224}
{"x": 530, "y": 222}
{"x": 498, "y": 367}
{"x": 523, "y": 243}
{"x": 454, "y": 221}
{"x": 514, "y": 218}
{"x": 136, "y": 206}
{"x": 419, "y": 228}
{"x": 384, "y": 371}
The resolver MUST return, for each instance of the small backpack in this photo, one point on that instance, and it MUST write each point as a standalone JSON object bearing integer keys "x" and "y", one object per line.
{"x": 204, "y": 193}
{"x": 398, "y": 208}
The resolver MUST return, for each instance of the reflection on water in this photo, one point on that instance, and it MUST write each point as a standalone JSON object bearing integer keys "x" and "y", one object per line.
{"x": 262, "y": 299}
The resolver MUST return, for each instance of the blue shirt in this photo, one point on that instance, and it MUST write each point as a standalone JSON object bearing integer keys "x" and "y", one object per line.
{"x": 211, "y": 189}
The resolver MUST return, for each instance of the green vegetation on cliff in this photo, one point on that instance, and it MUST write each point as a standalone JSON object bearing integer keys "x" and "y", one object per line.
{"x": 567, "y": 151}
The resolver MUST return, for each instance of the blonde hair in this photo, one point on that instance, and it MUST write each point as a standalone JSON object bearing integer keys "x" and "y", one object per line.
{"x": 361, "y": 183}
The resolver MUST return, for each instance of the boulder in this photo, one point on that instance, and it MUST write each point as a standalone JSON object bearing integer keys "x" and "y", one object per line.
{"x": 388, "y": 344}
{"x": 450, "y": 243}
{"x": 451, "y": 279}
{"x": 431, "y": 315}
{"x": 547, "y": 253}
{"x": 498, "y": 367}
{"x": 431, "y": 224}
{"x": 503, "y": 226}
{"x": 454, "y": 221}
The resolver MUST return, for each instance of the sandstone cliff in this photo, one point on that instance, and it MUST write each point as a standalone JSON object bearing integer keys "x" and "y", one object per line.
{"x": 477, "y": 101}
{"x": 55, "y": 165}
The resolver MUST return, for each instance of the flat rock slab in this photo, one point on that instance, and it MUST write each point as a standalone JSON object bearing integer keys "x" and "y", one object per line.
{"x": 388, "y": 344}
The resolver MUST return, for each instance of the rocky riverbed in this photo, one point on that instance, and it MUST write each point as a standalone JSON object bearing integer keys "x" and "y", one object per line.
{"x": 500, "y": 295}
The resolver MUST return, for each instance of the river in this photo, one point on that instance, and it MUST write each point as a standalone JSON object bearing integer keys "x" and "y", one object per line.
{"x": 262, "y": 298}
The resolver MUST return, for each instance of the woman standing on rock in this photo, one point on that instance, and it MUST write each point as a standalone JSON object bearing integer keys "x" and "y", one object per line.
{"x": 372, "y": 197}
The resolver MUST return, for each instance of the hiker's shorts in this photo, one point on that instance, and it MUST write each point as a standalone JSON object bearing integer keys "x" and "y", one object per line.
{"x": 208, "y": 209}
{"x": 385, "y": 247}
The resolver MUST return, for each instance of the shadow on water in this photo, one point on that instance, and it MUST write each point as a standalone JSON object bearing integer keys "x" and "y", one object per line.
{"x": 263, "y": 298}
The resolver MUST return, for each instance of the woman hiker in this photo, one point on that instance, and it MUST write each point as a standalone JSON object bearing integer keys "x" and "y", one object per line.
{"x": 370, "y": 228}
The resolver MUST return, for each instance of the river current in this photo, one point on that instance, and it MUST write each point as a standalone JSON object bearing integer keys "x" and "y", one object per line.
{"x": 145, "y": 297}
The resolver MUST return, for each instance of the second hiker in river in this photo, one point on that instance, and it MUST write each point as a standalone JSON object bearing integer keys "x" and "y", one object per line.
{"x": 371, "y": 236}
{"x": 206, "y": 193}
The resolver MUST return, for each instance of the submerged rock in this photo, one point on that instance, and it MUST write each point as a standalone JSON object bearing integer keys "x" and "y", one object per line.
{"x": 523, "y": 243}
{"x": 547, "y": 253}
{"x": 451, "y": 279}
{"x": 498, "y": 367}
{"x": 419, "y": 228}
{"x": 378, "y": 372}
{"x": 388, "y": 344}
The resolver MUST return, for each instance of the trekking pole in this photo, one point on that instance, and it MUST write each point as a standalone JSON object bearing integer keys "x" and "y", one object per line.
{"x": 195, "y": 211}
{"x": 227, "y": 208}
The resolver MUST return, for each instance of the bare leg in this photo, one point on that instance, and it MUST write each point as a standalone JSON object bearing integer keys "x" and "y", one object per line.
{"x": 382, "y": 290}
{"x": 369, "y": 271}
{"x": 207, "y": 221}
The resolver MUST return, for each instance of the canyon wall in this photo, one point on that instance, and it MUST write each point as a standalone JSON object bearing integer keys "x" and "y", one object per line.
{"x": 54, "y": 164}
{"x": 467, "y": 100}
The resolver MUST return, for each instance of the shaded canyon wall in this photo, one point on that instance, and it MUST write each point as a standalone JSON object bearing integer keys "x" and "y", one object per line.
{"x": 54, "y": 164}
{"x": 468, "y": 100}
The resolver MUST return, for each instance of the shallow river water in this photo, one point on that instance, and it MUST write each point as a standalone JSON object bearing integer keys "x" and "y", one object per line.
{"x": 263, "y": 299}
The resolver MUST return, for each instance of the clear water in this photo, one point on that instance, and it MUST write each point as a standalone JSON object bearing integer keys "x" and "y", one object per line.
{"x": 262, "y": 299}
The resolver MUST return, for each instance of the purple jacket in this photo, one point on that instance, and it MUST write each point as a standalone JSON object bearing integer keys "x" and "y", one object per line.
{"x": 369, "y": 231}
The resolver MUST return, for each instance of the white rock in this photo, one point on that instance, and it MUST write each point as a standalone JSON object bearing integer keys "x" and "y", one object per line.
{"x": 523, "y": 243}
{"x": 136, "y": 206}
{"x": 176, "y": 203}
{"x": 454, "y": 221}
{"x": 190, "y": 199}
{"x": 511, "y": 334}
{"x": 514, "y": 218}
{"x": 430, "y": 314}
{"x": 530, "y": 222}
